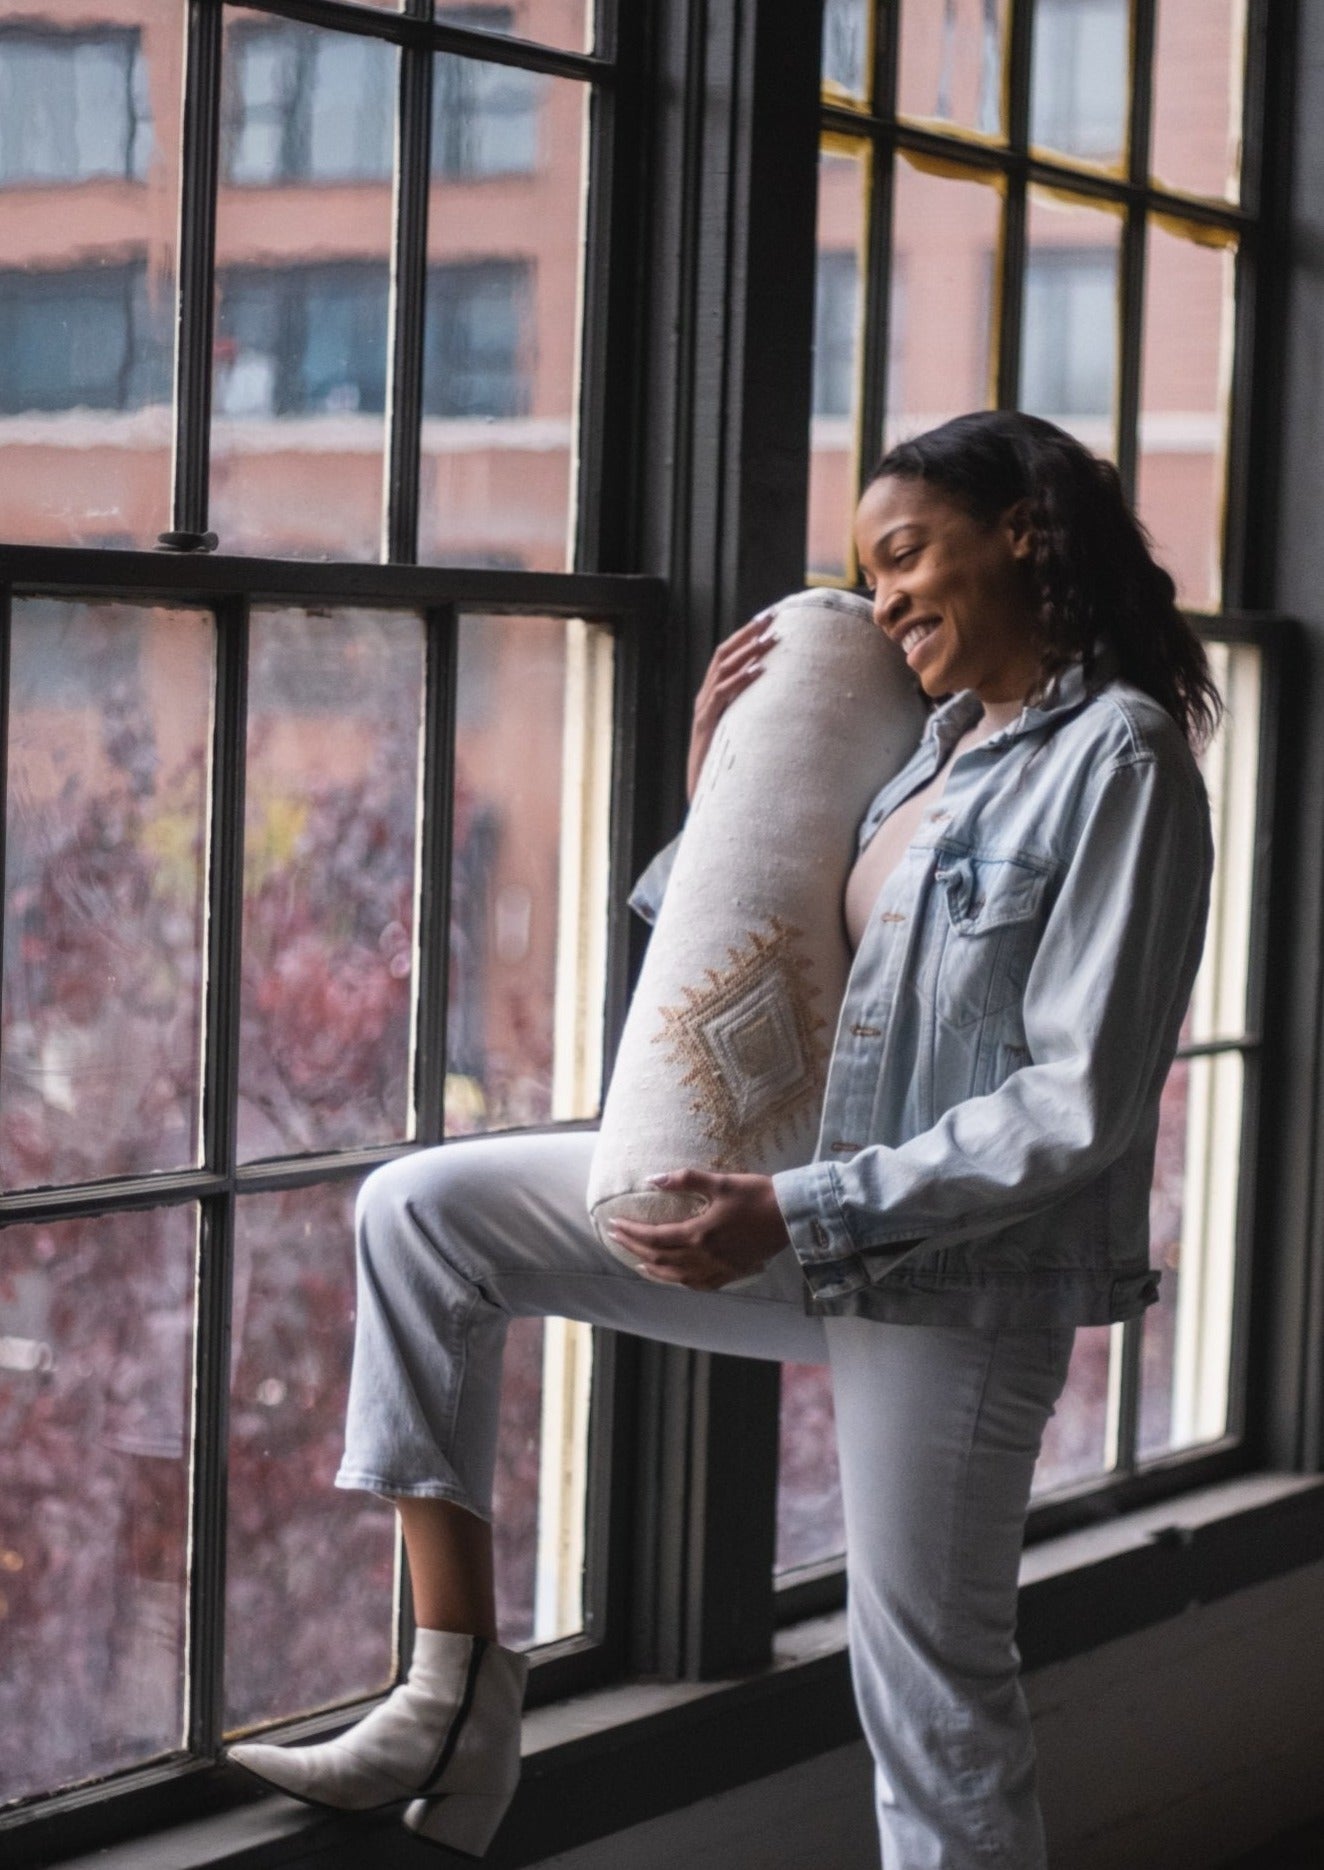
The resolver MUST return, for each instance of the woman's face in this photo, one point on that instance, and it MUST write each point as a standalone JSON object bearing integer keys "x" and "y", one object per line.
{"x": 949, "y": 590}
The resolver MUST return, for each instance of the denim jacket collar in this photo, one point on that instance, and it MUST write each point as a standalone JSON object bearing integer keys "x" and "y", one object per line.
{"x": 1064, "y": 693}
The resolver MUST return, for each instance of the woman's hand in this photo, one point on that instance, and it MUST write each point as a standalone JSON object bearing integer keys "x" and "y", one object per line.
{"x": 737, "y": 1233}
{"x": 735, "y": 664}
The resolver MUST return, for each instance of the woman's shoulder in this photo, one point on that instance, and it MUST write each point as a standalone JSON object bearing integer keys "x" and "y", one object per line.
{"x": 1122, "y": 724}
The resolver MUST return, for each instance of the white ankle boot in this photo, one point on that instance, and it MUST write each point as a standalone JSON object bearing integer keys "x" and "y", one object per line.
{"x": 448, "y": 1738}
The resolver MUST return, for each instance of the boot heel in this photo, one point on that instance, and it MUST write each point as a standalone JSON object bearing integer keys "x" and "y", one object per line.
{"x": 463, "y": 1821}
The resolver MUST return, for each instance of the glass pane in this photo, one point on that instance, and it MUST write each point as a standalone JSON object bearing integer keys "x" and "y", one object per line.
{"x": 1187, "y": 1346}
{"x": 96, "y": 1349}
{"x": 951, "y": 62}
{"x": 105, "y": 883}
{"x": 1079, "y": 78}
{"x": 1231, "y": 773}
{"x": 810, "y": 1522}
{"x": 847, "y": 51}
{"x": 309, "y": 1587}
{"x": 541, "y": 1484}
{"x": 843, "y": 220}
{"x": 941, "y": 341}
{"x": 330, "y": 835}
{"x": 1069, "y": 324}
{"x": 303, "y": 244}
{"x": 1185, "y": 388}
{"x": 1198, "y": 73}
{"x": 1077, "y": 1441}
{"x": 529, "y": 882}
{"x": 501, "y": 348}
{"x": 89, "y": 204}
{"x": 565, "y": 23}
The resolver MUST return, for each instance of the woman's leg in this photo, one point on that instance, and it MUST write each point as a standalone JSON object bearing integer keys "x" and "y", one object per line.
{"x": 449, "y": 1552}
{"x": 938, "y": 1431}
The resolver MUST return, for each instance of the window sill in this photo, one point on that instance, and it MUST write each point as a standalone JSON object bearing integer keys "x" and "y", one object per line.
{"x": 598, "y": 1763}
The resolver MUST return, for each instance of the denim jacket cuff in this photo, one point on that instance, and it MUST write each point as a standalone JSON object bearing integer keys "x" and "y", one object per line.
{"x": 810, "y": 1201}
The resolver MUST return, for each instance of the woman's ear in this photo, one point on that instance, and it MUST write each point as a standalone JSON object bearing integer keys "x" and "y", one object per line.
{"x": 1019, "y": 530}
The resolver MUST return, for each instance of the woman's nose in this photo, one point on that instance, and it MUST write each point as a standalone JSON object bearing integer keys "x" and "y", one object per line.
{"x": 887, "y": 607}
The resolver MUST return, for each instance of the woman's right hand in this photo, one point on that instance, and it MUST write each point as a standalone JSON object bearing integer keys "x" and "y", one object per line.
{"x": 736, "y": 663}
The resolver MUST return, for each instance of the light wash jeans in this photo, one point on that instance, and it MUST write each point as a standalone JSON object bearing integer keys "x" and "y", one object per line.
{"x": 938, "y": 1429}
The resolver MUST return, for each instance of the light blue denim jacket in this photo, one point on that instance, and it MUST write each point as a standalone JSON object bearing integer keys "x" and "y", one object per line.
{"x": 992, "y": 1101}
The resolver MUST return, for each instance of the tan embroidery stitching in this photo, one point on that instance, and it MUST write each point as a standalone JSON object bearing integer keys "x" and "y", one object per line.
{"x": 752, "y": 1044}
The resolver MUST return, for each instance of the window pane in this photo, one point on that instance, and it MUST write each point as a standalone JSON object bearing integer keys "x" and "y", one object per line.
{"x": 565, "y": 23}
{"x": 843, "y": 216}
{"x": 303, "y": 244}
{"x": 951, "y": 63}
{"x": 1198, "y": 81}
{"x": 1079, "y": 78}
{"x": 501, "y": 363}
{"x": 1231, "y": 773}
{"x": 810, "y": 1522}
{"x": 945, "y": 241}
{"x": 1069, "y": 324}
{"x": 96, "y": 1348}
{"x": 309, "y": 1597}
{"x": 541, "y": 1483}
{"x": 89, "y": 200}
{"x": 529, "y": 882}
{"x": 105, "y": 878}
{"x": 1189, "y": 304}
{"x": 1077, "y": 1440}
{"x": 330, "y": 835}
{"x": 1186, "y": 1359}
{"x": 848, "y": 51}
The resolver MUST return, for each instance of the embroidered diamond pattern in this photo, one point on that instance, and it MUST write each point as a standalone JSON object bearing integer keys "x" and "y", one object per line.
{"x": 752, "y": 1044}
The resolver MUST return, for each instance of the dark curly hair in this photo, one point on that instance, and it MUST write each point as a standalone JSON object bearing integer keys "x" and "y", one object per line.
{"x": 1092, "y": 571}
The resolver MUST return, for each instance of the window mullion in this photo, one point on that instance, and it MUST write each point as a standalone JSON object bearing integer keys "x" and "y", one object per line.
{"x": 1132, "y": 284}
{"x": 196, "y": 285}
{"x": 210, "y": 1462}
{"x": 409, "y": 297}
{"x": 1011, "y": 268}
{"x": 434, "y": 891}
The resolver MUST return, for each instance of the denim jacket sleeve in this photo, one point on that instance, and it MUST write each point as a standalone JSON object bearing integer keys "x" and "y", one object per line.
{"x": 646, "y": 896}
{"x": 1103, "y": 1003}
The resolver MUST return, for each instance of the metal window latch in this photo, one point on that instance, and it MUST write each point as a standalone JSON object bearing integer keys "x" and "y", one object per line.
{"x": 187, "y": 541}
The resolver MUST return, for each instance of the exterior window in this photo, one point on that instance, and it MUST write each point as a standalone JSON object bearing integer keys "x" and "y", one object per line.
{"x": 474, "y": 363}
{"x": 299, "y": 109}
{"x": 1078, "y": 89}
{"x": 310, "y": 341}
{"x": 84, "y": 339}
{"x": 837, "y": 285}
{"x": 73, "y": 107}
{"x": 484, "y": 117}
{"x": 1070, "y": 300}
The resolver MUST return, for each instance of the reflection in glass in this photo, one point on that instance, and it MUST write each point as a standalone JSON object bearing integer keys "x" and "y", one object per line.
{"x": 1184, "y": 399}
{"x": 501, "y": 343}
{"x": 309, "y": 1568}
{"x": 843, "y": 210}
{"x": 945, "y": 236}
{"x": 1076, "y": 1444}
{"x": 1078, "y": 80}
{"x": 810, "y": 1522}
{"x": 529, "y": 878}
{"x": 330, "y": 833}
{"x": 1198, "y": 59}
{"x": 105, "y": 875}
{"x": 303, "y": 242}
{"x": 847, "y": 50}
{"x": 96, "y": 1348}
{"x": 1069, "y": 321}
{"x": 1187, "y": 1344}
{"x": 951, "y": 61}
{"x": 89, "y": 201}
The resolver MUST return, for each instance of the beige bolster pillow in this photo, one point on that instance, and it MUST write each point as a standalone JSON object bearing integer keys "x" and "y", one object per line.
{"x": 723, "y": 1058}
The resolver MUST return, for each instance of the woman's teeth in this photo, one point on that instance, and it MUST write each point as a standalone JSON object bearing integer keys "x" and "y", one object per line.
{"x": 915, "y": 635}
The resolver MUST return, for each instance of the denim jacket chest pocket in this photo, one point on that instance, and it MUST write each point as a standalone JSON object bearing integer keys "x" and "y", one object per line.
{"x": 988, "y": 919}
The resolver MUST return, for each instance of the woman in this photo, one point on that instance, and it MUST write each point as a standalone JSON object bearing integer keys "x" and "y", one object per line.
{"x": 1027, "y": 911}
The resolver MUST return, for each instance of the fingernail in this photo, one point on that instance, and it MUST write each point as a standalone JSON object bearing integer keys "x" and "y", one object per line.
{"x": 657, "y": 1181}
{"x": 768, "y": 636}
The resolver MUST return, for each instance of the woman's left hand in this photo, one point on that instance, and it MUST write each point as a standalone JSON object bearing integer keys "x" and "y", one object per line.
{"x": 735, "y": 1234}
